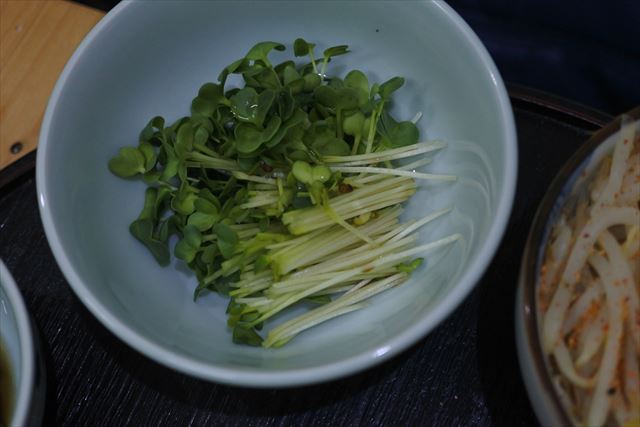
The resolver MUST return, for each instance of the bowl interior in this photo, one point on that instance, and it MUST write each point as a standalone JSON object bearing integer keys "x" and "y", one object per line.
{"x": 144, "y": 61}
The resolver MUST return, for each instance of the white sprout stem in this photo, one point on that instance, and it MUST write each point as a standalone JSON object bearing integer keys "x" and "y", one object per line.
{"x": 245, "y": 234}
{"x": 273, "y": 340}
{"x": 340, "y": 277}
{"x": 357, "y": 286}
{"x": 416, "y": 164}
{"x": 209, "y": 162}
{"x": 389, "y": 187}
{"x": 318, "y": 219}
{"x": 346, "y": 262}
{"x": 321, "y": 314}
{"x": 252, "y": 178}
{"x": 256, "y": 286}
{"x": 380, "y": 156}
{"x": 327, "y": 262}
{"x": 350, "y": 207}
{"x": 299, "y": 240}
{"x": 331, "y": 242}
{"x": 290, "y": 288}
{"x": 249, "y": 279}
{"x": 331, "y": 213}
{"x": 360, "y": 180}
{"x": 259, "y": 201}
{"x": 395, "y": 172}
{"x": 422, "y": 222}
{"x": 417, "y": 117}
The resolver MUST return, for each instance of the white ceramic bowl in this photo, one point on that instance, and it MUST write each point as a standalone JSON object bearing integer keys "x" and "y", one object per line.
{"x": 145, "y": 59}
{"x": 17, "y": 340}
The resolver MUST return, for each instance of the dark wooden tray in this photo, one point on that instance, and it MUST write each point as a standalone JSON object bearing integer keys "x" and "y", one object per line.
{"x": 464, "y": 373}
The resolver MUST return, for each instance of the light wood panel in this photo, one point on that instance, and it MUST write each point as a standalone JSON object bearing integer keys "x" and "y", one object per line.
{"x": 37, "y": 37}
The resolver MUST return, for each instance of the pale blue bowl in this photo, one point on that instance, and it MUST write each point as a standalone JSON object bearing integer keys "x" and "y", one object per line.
{"x": 145, "y": 59}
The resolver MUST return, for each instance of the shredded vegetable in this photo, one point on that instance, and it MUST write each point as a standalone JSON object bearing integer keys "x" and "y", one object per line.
{"x": 589, "y": 293}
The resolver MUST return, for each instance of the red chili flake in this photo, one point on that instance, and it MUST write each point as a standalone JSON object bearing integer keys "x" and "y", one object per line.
{"x": 626, "y": 141}
{"x": 586, "y": 235}
{"x": 345, "y": 188}
{"x": 267, "y": 168}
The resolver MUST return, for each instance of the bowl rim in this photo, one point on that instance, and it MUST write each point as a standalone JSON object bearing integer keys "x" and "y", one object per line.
{"x": 23, "y": 398}
{"x": 526, "y": 305}
{"x": 315, "y": 374}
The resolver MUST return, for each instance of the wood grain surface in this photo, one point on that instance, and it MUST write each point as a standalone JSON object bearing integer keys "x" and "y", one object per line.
{"x": 37, "y": 37}
{"x": 464, "y": 373}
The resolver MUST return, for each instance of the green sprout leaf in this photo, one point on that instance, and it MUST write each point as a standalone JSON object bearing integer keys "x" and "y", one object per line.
{"x": 249, "y": 107}
{"x": 335, "y": 51}
{"x": 409, "y": 267}
{"x": 184, "y": 139}
{"x": 353, "y": 124}
{"x": 246, "y": 336}
{"x": 155, "y": 125}
{"x": 390, "y": 86}
{"x": 249, "y": 138}
{"x": 130, "y": 161}
{"x": 225, "y": 233}
{"x": 187, "y": 248}
{"x": 342, "y": 98}
{"x": 142, "y": 229}
{"x": 396, "y": 134}
{"x": 357, "y": 80}
{"x": 184, "y": 201}
{"x": 302, "y": 48}
{"x": 149, "y": 154}
{"x": 260, "y": 52}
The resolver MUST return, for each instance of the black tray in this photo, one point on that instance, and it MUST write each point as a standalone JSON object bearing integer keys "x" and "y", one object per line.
{"x": 464, "y": 373}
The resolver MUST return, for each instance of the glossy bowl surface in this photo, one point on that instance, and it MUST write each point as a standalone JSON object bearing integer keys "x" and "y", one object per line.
{"x": 148, "y": 59}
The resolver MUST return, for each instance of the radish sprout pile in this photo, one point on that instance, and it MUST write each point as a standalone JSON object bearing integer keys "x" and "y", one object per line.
{"x": 286, "y": 190}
